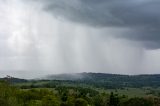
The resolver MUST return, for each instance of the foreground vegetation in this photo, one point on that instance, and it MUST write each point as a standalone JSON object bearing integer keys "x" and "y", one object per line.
{"x": 90, "y": 89}
{"x": 11, "y": 95}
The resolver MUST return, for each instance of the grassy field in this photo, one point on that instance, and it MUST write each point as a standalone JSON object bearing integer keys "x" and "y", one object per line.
{"x": 130, "y": 92}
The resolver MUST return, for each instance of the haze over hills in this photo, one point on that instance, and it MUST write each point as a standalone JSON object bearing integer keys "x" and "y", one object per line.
{"x": 102, "y": 80}
{"x": 110, "y": 80}
{"x": 90, "y": 75}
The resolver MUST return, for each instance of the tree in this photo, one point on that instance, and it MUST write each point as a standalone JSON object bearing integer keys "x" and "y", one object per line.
{"x": 35, "y": 103}
{"x": 138, "y": 102}
{"x": 81, "y": 102}
{"x": 50, "y": 100}
{"x": 101, "y": 100}
{"x": 114, "y": 100}
{"x": 70, "y": 101}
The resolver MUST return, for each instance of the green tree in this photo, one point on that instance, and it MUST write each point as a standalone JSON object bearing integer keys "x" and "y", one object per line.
{"x": 50, "y": 100}
{"x": 35, "y": 103}
{"x": 81, "y": 102}
{"x": 138, "y": 102}
{"x": 70, "y": 101}
{"x": 101, "y": 100}
{"x": 114, "y": 100}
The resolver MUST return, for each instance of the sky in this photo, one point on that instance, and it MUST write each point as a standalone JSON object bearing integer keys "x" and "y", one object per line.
{"x": 41, "y": 37}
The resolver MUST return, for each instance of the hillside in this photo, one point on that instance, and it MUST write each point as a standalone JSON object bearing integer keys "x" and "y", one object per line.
{"x": 13, "y": 80}
{"x": 110, "y": 80}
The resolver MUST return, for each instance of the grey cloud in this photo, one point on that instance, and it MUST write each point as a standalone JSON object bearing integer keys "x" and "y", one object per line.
{"x": 108, "y": 13}
{"x": 141, "y": 17}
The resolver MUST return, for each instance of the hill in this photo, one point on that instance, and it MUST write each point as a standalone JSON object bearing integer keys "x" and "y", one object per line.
{"x": 13, "y": 80}
{"x": 110, "y": 80}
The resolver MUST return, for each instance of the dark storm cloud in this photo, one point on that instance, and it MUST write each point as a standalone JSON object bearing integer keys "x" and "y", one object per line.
{"x": 141, "y": 17}
{"x": 108, "y": 12}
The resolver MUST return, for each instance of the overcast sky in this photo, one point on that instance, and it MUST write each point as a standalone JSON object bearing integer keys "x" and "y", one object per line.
{"x": 40, "y": 37}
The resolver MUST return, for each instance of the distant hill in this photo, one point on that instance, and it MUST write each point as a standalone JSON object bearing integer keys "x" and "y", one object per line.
{"x": 110, "y": 80}
{"x": 96, "y": 79}
{"x": 13, "y": 80}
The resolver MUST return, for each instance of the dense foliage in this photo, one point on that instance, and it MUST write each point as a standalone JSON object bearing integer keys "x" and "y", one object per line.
{"x": 11, "y": 95}
{"x": 84, "y": 89}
